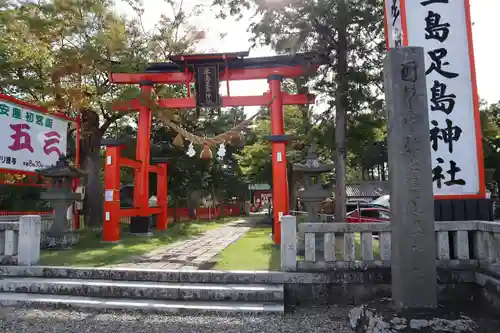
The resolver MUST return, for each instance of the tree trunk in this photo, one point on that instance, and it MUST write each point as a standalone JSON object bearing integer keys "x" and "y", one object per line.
{"x": 193, "y": 200}
{"x": 340, "y": 114}
{"x": 176, "y": 210}
{"x": 90, "y": 145}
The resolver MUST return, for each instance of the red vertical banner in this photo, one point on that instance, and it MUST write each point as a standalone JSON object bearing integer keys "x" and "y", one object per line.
{"x": 111, "y": 231}
{"x": 396, "y": 33}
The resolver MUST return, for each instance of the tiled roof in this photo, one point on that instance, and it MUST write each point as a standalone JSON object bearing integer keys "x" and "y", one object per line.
{"x": 367, "y": 189}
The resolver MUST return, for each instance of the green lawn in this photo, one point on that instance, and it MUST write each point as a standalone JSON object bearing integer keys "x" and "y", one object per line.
{"x": 256, "y": 251}
{"x": 339, "y": 247}
{"x": 91, "y": 252}
{"x": 253, "y": 251}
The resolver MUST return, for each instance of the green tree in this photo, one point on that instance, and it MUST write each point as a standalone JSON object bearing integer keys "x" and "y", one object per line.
{"x": 490, "y": 122}
{"x": 367, "y": 146}
{"x": 58, "y": 54}
{"x": 349, "y": 34}
{"x": 255, "y": 158}
{"x": 192, "y": 178}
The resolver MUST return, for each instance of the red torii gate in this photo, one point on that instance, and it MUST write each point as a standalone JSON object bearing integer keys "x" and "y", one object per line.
{"x": 188, "y": 69}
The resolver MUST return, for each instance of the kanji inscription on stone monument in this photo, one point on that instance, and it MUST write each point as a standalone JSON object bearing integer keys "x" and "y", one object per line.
{"x": 413, "y": 240}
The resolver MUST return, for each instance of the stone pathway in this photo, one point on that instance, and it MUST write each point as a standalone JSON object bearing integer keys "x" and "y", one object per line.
{"x": 193, "y": 253}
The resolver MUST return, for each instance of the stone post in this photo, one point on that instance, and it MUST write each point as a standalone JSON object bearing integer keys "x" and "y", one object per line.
{"x": 288, "y": 243}
{"x": 414, "y": 278}
{"x": 29, "y": 240}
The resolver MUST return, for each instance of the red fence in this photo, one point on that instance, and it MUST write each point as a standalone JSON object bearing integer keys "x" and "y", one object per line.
{"x": 204, "y": 213}
{"x": 199, "y": 213}
{"x": 8, "y": 213}
{"x": 182, "y": 213}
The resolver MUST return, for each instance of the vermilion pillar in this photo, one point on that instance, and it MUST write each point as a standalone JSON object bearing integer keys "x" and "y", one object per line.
{"x": 162, "y": 195}
{"x": 141, "y": 179}
{"x": 111, "y": 230}
{"x": 280, "y": 181}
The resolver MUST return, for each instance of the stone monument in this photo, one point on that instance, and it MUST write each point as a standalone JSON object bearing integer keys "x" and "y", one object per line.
{"x": 414, "y": 277}
{"x": 313, "y": 193}
{"x": 60, "y": 196}
{"x": 413, "y": 306}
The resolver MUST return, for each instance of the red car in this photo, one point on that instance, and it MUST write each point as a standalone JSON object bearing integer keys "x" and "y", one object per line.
{"x": 369, "y": 215}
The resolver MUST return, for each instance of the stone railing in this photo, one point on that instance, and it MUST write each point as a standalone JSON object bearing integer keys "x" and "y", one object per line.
{"x": 348, "y": 245}
{"x": 46, "y": 220}
{"x": 20, "y": 240}
{"x": 301, "y": 215}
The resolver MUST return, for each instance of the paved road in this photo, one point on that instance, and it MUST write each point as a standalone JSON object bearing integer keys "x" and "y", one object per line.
{"x": 307, "y": 320}
{"x": 195, "y": 252}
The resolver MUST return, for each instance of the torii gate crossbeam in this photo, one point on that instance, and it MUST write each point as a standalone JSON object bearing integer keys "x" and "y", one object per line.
{"x": 231, "y": 67}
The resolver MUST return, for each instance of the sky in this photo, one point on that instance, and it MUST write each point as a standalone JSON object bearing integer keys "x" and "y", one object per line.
{"x": 484, "y": 15}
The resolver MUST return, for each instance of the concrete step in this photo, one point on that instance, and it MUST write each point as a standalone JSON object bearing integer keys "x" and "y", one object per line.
{"x": 152, "y": 275}
{"x": 144, "y": 289}
{"x": 103, "y": 304}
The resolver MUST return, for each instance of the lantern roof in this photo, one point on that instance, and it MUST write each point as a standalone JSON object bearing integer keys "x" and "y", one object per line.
{"x": 61, "y": 169}
{"x": 312, "y": 165}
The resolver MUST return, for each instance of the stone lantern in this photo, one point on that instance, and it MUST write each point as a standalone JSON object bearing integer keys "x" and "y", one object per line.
{"x": 60, "y": 196}
{"x": 313, "y": 193}
{"x": 491, "y": 183}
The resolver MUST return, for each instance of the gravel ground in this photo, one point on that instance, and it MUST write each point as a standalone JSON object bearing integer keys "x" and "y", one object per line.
{"x": 311, "y": 320}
